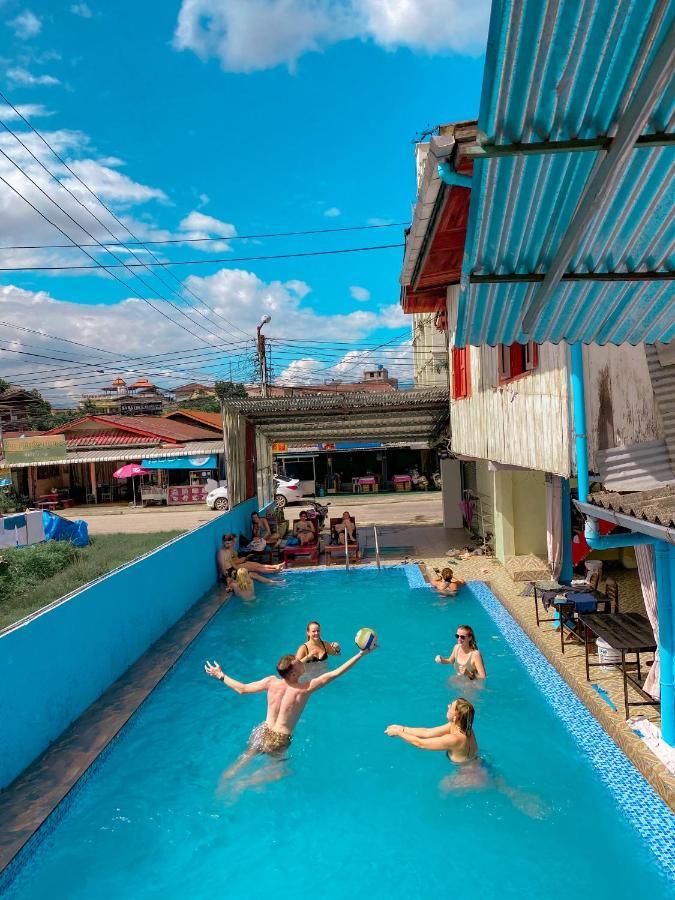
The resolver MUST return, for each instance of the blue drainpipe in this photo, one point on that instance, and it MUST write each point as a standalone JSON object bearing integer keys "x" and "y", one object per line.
{"x": 448, "y": 176}
{"x": 664, "y": 554}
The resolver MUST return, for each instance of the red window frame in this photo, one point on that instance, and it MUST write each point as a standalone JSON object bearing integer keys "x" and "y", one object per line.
{"x": 516, "y": 360}
{"x": 461, "y": 373}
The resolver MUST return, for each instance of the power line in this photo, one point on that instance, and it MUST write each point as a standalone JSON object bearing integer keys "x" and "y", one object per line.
{"x": 196, "y": 262}
{"x": 234, "y": 237}
{"x": 97, "y": 198}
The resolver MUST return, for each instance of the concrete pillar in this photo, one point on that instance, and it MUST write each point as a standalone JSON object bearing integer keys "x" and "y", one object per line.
{"x": 452, "y": 493}
{"x": 92, "y": 480}
{"x": 505, "y": 544}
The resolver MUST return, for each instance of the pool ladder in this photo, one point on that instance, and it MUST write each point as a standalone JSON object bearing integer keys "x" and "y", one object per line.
{"x": 377, "y": 547}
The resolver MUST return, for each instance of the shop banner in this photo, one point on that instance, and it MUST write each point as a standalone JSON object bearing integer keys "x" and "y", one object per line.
{"x": 34, "y": 449}
{"x": 181, "y": 462}
{"x": 195, "y": 493}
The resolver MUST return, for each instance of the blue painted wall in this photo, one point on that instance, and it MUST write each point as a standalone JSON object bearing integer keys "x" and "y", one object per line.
{"x": 57, "y": 664}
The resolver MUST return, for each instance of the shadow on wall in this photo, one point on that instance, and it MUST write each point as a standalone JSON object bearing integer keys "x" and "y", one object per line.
{"x": 86, "y": 642}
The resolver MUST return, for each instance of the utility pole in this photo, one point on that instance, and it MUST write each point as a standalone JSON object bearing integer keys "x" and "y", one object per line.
{"x": 262, "y": 355}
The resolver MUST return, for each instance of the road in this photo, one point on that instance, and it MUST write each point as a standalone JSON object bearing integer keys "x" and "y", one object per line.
{"x": 369, "y": 509}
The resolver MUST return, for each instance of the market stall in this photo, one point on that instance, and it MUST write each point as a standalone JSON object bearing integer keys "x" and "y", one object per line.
{"x": 179, "y": 480}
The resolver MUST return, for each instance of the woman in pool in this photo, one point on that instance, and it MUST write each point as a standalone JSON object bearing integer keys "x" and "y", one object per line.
{"x": 465, "y": 656}
{"x": 241, "y": 582}
{"x": 456, "y": 738}
{"x": 446, "y": 582}
{"x": 315, "y": 649}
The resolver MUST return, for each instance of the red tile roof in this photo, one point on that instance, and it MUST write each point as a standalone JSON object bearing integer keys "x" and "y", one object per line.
{"x": 210, "y": 419}
{"x": 107, "y": 439}
{"x": 152, "y": 428}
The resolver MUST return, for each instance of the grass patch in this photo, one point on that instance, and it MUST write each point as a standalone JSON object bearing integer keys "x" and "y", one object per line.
{"x": 33, "y": 577}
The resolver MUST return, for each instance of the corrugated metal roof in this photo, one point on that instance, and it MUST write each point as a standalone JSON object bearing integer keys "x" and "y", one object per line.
{"x": 657, "y": 506}
{"x": 640, "y": 467}
{"x": 196, "y": 448}
{"x": 568, "y": 71}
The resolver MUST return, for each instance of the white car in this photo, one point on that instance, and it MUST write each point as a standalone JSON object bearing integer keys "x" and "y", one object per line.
{"x": 286, "y": 490}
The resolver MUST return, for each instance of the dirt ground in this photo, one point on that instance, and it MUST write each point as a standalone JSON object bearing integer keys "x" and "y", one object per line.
{"x": 415, "y": 508}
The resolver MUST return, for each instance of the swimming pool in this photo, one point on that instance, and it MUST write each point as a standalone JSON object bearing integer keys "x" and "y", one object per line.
{"x": 357, "y": 811}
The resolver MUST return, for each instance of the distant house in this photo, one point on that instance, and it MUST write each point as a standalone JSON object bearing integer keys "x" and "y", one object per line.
{"x": 15, "y": 405}
{"x": 374, "y": 381}
{"x": 192, "y": 391}
{"x": 141, "y": 398}
{"x": 208, "y": 420}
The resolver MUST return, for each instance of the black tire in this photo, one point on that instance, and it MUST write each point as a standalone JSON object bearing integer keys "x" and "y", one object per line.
{"x": 222, "y": 504}
{"x": 280, "y": 501}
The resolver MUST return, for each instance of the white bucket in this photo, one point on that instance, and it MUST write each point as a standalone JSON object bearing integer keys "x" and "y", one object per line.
{"x": 607, "y": 655}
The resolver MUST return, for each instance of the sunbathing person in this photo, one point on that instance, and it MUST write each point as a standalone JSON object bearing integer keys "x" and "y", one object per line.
{"x": 446, "y": 582}
{"x": 304, "y": 530}
{"x": 287, "y": 697}
{"x": 456, "y": 738}
{"x": 229, "y": 559}
{"x": 345, "y": 528}
{"x": 465, "y": 656}
{"x": 315, "y": 649}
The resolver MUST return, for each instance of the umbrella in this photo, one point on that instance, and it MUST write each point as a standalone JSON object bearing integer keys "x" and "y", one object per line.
{"x": 129, "y": 471}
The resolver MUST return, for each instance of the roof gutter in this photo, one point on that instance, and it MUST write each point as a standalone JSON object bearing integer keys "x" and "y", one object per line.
{"x": 448, "y": 176}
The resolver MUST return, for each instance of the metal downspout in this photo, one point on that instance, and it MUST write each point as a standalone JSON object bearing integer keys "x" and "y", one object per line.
{"x": 664, "y": 564}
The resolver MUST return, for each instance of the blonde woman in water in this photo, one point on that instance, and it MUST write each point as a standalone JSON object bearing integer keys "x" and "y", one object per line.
{"x": 242, "y": 585}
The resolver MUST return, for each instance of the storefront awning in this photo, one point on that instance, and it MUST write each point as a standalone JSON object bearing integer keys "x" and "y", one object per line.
{"x": 196, "y": 448}
{"x": 184, "y": 462}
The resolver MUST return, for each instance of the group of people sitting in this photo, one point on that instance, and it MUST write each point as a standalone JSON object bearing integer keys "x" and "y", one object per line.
{"x": 305, "y": 532}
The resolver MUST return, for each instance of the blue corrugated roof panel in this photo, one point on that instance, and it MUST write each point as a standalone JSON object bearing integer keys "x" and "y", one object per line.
{"x": 561, "y": 71}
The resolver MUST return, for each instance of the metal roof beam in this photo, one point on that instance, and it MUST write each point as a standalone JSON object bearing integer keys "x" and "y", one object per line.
{"x": 535, "y": 277}
{"x": 607, "y": 172}
{"x": 578, "y": 145}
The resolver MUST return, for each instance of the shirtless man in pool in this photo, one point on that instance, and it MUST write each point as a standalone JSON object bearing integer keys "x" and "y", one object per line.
{"x": 287, "y": 697}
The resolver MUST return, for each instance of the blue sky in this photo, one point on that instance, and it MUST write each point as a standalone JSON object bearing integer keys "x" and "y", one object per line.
{"x": 223, "y": 117}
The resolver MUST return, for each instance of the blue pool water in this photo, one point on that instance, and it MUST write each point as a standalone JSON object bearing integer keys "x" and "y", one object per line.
{"x": 356, "y": 811}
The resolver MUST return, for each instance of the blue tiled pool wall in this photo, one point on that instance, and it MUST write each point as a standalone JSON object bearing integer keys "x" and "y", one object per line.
{"x": 635, "y": 797}
{"x": 85, "y": 643}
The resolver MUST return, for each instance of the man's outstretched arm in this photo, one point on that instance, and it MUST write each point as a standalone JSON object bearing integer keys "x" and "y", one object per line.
{"x": 322, "y": 680}
{"x": 253, "y": 687}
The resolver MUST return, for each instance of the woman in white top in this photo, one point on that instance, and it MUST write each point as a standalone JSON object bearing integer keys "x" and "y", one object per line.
{"x": 465, "y": 656}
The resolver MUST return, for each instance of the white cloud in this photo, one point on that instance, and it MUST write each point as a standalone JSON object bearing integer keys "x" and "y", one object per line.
{"x": 82, "y": 10}
{"x": 27, "y": 110}
{"x": 25, "y": 25}
{"x": 203, "y": 199}
{"x": 198, "y": 225}
{"x": 305, "y": 371}
{"x": 110, "y": 184}
{"x": 377, "y": 221}
{"x": 249, "y": 35}
{"x": 332, "y": 212}
{"x": 27, "y": 79}
{"x": 359, "y": 293}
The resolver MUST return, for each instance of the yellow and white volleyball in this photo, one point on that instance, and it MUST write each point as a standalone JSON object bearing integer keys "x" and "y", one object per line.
{"x": 365, "y": 638}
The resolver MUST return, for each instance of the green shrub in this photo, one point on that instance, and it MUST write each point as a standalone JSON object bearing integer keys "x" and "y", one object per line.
{"x": 24, "y": 568}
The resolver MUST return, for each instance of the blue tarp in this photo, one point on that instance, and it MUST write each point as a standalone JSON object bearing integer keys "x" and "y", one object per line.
{"x": 59, "y": 529}
{"x": 181, "y": 462}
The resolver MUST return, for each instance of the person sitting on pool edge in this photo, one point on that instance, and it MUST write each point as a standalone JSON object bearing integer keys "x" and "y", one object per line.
{"x": 455, "y": 738}
{"x": 446, "y": 582}
{"x": 315, "y": 649}
{"x": 287, "y": 697}
{"x": 227, "y": 558}
{"x": 465, "y": 656}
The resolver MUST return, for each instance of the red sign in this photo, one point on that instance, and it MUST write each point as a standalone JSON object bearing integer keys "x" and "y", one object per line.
{"x": 189, "y": 494}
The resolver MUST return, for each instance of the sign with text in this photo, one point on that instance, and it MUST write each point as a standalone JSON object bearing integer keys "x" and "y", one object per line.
{"x": 35, "y": 449}
{"x": 195, "y": 493}
{"x": 279, "y": 447}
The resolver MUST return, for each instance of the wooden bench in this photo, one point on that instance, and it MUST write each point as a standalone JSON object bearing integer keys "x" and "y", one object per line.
{"x": 630, "y": 633}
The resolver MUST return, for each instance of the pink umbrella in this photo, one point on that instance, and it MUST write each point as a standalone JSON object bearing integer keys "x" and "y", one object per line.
{"x": 129, "y": 471}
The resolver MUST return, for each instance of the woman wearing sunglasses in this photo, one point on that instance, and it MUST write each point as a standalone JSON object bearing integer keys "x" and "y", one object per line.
{"x": 465, "y": 656}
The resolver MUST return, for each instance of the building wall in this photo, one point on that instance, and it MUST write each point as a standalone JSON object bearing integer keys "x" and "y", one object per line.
{"x": 99, "y": 631}
{"x": 430, "y": 352}
{"x": 529, "y": 513}
{"x": 620, "y": 405}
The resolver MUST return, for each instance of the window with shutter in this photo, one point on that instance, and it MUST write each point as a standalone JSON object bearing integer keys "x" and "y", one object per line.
{"x": 460, "y": 373}
{"x": 515, "y": 360}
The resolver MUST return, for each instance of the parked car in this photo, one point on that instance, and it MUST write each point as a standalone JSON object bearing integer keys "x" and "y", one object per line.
{"x": 217, "y": 499}
{"x": 286, "y": 490}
